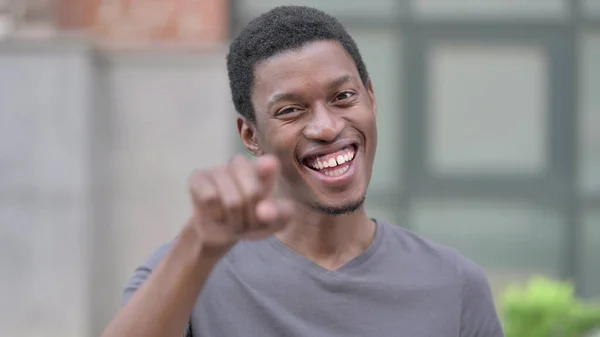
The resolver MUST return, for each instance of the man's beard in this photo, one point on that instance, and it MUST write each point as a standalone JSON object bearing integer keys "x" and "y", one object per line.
{"x": 342, "y": 210}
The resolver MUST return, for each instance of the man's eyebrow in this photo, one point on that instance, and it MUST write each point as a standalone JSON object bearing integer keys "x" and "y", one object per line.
{"x": 340, "y": 81}
{"x": 289, "y": 96}
{"x": 284, "y": 96}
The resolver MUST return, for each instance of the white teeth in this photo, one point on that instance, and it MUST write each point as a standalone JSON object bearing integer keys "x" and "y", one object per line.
{"x": 320, "y": 164}
{"x": 335, "y": 173}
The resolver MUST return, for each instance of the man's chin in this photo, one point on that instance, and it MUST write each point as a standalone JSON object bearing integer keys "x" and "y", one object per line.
{"x": 341, "y": 209}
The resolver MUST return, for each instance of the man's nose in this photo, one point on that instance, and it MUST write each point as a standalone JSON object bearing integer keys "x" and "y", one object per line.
{"x": 324, "y": 125}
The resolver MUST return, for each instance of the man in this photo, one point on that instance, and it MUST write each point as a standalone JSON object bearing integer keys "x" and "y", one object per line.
{"x": 282, "y": 246}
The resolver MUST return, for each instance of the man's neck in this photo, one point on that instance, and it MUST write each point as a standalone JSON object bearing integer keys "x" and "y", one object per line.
{"x": 330, "y": 241}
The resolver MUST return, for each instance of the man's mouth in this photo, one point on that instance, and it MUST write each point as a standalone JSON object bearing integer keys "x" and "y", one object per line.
{"x": 333, "y": 164}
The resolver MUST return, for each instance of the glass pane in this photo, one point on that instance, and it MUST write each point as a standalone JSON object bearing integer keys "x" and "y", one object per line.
{"x": 476, "y": 9}
{"x": 487, "y": 109}
{"x": 591, "y": 254}
{"x": 381, "y": 51}
{"x": 375, "y": 8}
{"x": 591, "y": 8}
{"x": 512, "y": 241}
{"x": 590, "y": 114}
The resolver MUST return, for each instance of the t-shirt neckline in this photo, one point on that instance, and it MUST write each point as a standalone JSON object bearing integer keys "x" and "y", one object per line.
{"x": 300, "y": 261}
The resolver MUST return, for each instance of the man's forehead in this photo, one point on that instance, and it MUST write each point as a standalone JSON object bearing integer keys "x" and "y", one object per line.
{"x": 318, "y": 65}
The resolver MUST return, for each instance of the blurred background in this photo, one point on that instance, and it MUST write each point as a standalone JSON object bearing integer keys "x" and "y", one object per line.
{"x": 489, "y": 119}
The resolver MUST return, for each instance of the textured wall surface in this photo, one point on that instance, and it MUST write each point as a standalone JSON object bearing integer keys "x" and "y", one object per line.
{"x": 95, "y": 152}
{"x": 164, "y": 115}
{"x": 45, "y": 100}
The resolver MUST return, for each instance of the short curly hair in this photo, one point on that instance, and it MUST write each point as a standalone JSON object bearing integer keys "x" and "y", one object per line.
{"x": 278, "y": 30}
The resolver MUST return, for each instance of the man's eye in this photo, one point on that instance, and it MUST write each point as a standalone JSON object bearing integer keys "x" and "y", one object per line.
{"x": 344, "y": 96}
{"x": 288, "y": 111}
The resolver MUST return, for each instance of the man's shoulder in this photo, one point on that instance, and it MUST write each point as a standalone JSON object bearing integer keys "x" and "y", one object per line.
{"x": 414, "y": 243}
{"x": 427, "y": 252}
{"x": 242, "y": 250}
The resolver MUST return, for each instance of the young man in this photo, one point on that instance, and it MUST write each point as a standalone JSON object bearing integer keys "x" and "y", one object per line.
{"x": 282, "y": 246}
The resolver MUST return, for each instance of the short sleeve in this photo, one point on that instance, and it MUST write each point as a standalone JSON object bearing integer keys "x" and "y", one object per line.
{"x": 141, "y": 274}
{"x": 478, "y": 314}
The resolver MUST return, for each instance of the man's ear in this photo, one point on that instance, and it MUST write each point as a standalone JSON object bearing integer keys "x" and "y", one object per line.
{"x": 371, "y": 94}
{"x": 247, "y": 131}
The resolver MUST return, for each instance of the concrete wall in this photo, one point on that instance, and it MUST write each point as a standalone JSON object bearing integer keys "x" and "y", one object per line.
{"x": 45, "y": 112}
{"x": 95, "y": 152}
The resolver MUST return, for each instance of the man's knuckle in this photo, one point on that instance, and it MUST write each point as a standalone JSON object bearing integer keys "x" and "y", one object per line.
{"x": 253, "y": 193}
{"x": 233, "y": 205}
{"x": 198, "y": 178}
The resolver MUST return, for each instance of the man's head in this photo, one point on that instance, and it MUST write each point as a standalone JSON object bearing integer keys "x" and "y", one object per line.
{"x": 304, "y": 95}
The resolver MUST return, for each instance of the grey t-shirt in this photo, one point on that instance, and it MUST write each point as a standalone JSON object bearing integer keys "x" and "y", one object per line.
{"x": 402, "y": 285}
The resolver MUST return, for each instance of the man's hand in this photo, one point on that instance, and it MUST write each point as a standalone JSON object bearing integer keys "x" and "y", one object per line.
{"x": 236, "y": 202}
{"x": 233, "y": 202}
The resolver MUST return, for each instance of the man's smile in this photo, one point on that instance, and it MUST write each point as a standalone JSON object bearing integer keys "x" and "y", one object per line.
{"x": 332, "y": 165}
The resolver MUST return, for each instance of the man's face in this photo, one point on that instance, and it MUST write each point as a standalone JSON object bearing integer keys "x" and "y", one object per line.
{"x": 314, "y": 113}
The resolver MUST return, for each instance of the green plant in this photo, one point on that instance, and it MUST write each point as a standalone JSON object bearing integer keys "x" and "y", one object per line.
{"x": 546, "y": 308}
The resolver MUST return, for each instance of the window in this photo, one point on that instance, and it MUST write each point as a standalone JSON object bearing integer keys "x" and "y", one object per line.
{"x": 520, "y": 238}
{"x": 487, "y": 109}
{"x": 590, "y": 113}
{"x": 591, "y": 8}
{"x": 591, "y": 253}
{"x": 490, "y": 9}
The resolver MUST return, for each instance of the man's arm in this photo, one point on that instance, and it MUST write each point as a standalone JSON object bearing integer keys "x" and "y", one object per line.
{"x": 478, "y": 313}
{"x": 159, "y": 302}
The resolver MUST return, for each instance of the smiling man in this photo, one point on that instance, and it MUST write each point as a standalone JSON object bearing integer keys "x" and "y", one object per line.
{"x": 283, "y": 246}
